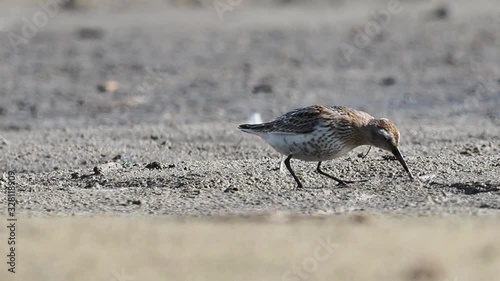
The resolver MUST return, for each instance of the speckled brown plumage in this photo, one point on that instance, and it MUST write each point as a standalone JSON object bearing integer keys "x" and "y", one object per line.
{"x": 318, "y": 133}
{"x": 304, "y": 120}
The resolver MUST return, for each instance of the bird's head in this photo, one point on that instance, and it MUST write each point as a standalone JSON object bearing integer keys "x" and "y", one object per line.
{"x": 383, "y": 134}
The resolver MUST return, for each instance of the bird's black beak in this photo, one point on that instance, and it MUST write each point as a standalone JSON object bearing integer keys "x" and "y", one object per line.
{"x": 401, "y": 160}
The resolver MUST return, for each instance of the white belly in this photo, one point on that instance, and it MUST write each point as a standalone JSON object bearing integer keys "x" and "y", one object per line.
{"x": 307, "y": 147}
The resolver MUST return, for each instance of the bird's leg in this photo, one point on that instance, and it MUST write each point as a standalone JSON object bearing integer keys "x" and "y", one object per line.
{"x": 364, "y": 156}
{"x": 282, "y": 162}
{"x": 341, "y": 182}
{"x": 287, "y": 164}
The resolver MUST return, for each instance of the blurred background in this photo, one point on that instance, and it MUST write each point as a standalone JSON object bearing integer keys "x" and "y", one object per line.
{"x": 67, "y": 63}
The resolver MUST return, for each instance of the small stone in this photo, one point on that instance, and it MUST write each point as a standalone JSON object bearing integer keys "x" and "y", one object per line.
{"x": 107, "y": 168}
{"x": 134, "y": 202}
{"x": 109, "y": 86}
{"x": 171, "y": 165}
{"x": 90, "y": 33}
{"x": 154, "y": 165}
{"x": 92, "y": 184}
{"x": 230, "y": 190}
{"x": 75, "y": 175}
{"x": 70, "y": 4}
{"x": 388, "y": 81}
{"x": 262, "y": 88}
{"x": 117, "y": 157}
{"x": 441, "y": 12}
{"x": 154, "y": 137}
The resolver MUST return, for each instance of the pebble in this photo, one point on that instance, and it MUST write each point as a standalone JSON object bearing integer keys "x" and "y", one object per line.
{"x": 107, "y": 168}
{"x": 109, "y": 86}
{"x": 154, "y": 165}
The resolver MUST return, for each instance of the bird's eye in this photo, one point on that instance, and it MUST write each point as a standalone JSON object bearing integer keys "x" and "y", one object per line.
{"x": 385, "y": 134}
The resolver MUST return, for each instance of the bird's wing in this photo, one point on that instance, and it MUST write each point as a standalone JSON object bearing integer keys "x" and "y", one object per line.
{"x": 305, "y": 120}
{"x": 299, "y": 121}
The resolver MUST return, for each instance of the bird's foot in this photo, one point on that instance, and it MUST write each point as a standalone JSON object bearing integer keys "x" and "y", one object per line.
{"x": 299, "y": 187}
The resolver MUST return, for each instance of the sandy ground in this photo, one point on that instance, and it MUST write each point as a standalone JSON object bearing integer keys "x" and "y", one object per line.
{"x": 280, "y": 247}
{"x": 187, "y": 78}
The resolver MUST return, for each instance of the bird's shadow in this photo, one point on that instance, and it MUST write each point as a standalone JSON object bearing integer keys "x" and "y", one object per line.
{"x": 471, "y": 188}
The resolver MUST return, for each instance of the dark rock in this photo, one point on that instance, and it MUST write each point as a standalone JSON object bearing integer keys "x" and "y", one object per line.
{"x": 134, "y": 202}
{"x": 441, "y": 12}
{"x": 230, "y": 190}
{"x": 109, "y": 86}
{"x": 90, "y": 33}
{"x": 154, "y": 165}
{"x": 262, "y": 88}
{"x": 388, "y": 81}
{"x": 107, "y": 168}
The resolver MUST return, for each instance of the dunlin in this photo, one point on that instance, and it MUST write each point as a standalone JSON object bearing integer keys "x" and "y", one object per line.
{"x": 319, "y": 133}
